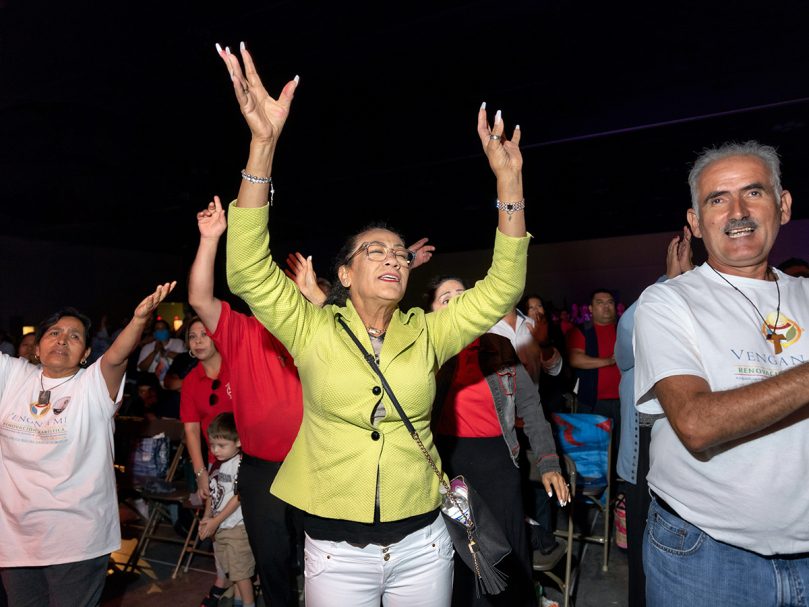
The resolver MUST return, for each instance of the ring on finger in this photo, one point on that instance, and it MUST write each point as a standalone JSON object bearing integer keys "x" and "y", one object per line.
{"x": 494, "y": 137}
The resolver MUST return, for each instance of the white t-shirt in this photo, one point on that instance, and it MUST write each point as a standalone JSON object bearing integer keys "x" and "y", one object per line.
{"x": 753, "y": 494}
{"x": 527, "y": 350}
{"x": 57, "y": 484}
{"x": 222, "y": 480}
{"x": 161, "y": 363}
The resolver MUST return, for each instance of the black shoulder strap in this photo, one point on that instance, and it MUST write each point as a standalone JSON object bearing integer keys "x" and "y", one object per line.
{"x": 369, "y": 358}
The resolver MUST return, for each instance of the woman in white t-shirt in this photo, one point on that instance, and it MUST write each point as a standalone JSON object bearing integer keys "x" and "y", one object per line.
{"x": 58, "y": 508}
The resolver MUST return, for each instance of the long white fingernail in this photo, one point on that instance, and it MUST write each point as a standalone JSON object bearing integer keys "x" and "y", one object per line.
{"x": 517, "y": 128}
{"x": 309, "y": 258}
{"x": 498, "y": 117}
{"x": 550, "y": 493}
{"x": 242, "y": 47}
{"x": 218, "y": 48}
{"x": 483, "y": 105}
{"x": 297, "y": 79}
{"x": 227, "y": 50}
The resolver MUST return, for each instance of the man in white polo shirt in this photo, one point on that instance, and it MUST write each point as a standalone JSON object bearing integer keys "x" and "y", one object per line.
{"x": 721, "y": 351}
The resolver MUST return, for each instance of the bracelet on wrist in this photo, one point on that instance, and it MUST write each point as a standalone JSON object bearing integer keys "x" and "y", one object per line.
{"x": 510, "y": 207}
{"x": 259, "y": 180}
{"x": 200, "y": 471}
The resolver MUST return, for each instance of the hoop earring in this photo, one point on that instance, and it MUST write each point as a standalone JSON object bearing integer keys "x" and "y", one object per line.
{"x": 83, "y": 362}
{"x": 191, "y": 354}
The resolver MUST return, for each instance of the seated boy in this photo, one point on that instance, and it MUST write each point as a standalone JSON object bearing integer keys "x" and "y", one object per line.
{"x": 223, "y": 514}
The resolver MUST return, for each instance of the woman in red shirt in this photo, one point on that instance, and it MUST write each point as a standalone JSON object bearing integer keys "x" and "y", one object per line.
{"x": 479, "y": 393}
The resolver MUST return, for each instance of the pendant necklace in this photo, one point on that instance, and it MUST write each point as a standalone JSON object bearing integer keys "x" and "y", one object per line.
{"x": 772, "y": 336}
{"x": 45, "y": 395}
{"x": 374, "y": 332}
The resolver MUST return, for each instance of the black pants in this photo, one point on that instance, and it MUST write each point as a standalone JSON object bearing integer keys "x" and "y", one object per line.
{"x": 637, "y": 507}
{"x": 270, "y": 526}
{"x": 486, "y": 464}
{"x": 78, "y": 584}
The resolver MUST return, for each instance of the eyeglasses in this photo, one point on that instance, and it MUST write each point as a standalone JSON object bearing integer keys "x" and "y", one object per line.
{"x": 214, "y": 398}
{"x": 377, "y": 251}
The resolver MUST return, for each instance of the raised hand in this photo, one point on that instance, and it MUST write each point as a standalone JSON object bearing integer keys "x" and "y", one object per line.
{"x": 504, "y": 155}
{"x": 539, "y": 330}
{"x": 149, "y": 305}
{"x": 211, "y": 221}
{"x": 264, "y": 115}
{"x": 424, "y": 252}
{"x": 302, "y": 273}
{"x": 679, "y": 254}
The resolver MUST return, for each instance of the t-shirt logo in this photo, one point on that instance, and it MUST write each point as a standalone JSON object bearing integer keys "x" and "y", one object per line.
{"x": 60, "y": 405}
{"x": 787, "y": 328}
{"x": 39, "y": 409}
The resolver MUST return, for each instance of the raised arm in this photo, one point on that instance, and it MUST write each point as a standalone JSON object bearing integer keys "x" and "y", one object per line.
{"x": 505, "y": 161}
{"x": 113, "y": 362}
{"x": 477, "y": 309}
{"x": 212, "y": 224}
{"x": 265, "y": 116}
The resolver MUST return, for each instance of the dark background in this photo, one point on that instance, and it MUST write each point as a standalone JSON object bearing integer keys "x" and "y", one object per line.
{"x": 118, "y": 120}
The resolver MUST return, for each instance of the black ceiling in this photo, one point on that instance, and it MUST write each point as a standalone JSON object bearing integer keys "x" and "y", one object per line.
{"x": 118, "y": 123}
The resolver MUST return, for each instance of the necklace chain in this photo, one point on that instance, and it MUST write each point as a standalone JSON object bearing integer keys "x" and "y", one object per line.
{"x": 770, "y": 330}
{"x": 45, "y": 395}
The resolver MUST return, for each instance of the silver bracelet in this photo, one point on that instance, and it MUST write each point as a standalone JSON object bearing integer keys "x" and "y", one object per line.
{"x": 260, "y": 180}
{"x": 511, "y": 207}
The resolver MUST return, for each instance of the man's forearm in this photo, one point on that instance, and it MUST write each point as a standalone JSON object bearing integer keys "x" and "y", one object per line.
{"x": 704, "y": 419}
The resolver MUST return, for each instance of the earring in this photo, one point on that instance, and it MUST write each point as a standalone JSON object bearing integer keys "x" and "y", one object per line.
{"x": 83, "y": 362}
{"x": 191, "y": 354}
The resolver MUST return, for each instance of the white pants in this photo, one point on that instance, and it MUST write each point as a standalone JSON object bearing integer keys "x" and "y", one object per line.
{"x": 415, "y": 572}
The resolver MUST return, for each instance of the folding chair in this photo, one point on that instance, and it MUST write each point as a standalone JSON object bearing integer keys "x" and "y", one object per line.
{"x": 546, "y": 564}
{"x": 587, "y": 439}
{"x": 160, "y": 493}
{"x": 191, "y": 545}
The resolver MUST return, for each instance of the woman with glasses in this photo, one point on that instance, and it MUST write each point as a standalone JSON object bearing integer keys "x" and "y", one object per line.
{"x": 370, "y": 499}
{"x": 59, "y": 521}
{"x": 479, "y": 394}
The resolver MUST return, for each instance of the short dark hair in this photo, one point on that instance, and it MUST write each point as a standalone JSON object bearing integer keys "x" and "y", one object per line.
{"x": 54, "y": 318}
{"x": 338, "y": 293}
{"x": 223, "y": 426}
{"x": 595, "y": 292}
{"x": 429, "y": 295}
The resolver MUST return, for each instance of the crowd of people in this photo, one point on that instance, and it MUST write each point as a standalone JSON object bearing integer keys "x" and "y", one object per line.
{"x": 302, "y": 457}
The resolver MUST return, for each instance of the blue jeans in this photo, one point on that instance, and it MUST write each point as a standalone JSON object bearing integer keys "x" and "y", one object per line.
{"x": 685, "y": 567}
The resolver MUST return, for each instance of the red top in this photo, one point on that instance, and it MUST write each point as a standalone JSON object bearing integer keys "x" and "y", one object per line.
{"x": 195, "y": 398}
{"x": 608, "y": 377}
{"x": 468, "y": 411}
{"x": 267, "y": 396}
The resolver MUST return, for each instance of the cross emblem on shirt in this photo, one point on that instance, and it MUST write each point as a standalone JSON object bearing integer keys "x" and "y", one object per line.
{"x": 776, "y": 338}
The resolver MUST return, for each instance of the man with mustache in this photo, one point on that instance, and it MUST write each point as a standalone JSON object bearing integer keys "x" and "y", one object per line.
{"x": 719, "y": 351}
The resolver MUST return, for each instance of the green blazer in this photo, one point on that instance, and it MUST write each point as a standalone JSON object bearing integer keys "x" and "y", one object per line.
{"x": 331, "y": 470}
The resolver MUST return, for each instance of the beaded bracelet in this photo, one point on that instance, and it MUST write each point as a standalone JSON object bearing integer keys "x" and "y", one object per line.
{"x": 260, "y": 180}
{"x": 510, "y": 207}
